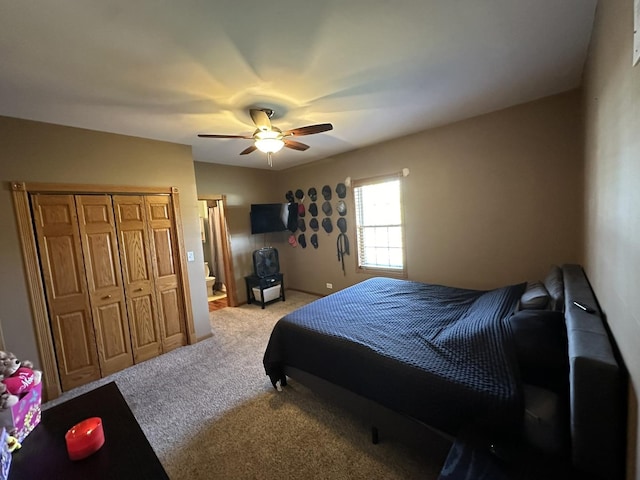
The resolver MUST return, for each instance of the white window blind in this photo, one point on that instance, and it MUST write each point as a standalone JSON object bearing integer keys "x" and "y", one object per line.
{"x": 379, "y": 228}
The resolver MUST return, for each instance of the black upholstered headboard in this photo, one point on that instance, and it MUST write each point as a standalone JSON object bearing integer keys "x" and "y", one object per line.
{"x": 597, "y": 383}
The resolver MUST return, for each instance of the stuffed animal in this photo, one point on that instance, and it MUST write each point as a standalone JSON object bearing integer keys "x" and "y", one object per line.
{"x": 18, "y": 377}
{"x": 13, "y": 443}
{"x": 7, "y": 400}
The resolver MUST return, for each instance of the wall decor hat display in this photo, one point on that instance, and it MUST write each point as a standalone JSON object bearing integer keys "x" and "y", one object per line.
{"x": 342, "y": 242}
{"x": 342, "y": 208}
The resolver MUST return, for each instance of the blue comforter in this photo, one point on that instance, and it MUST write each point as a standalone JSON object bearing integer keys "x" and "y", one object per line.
{"x": 439, "y": 354}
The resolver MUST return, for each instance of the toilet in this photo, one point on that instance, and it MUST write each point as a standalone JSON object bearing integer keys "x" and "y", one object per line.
{"x": 211, "y": 281}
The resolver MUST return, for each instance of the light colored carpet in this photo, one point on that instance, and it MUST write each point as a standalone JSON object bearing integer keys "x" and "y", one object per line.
{"x": 210, "y": 412}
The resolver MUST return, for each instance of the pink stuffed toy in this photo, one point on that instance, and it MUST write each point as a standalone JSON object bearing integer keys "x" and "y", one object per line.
{"x": 21, "y": 381}
{"x": 18, "y": 377}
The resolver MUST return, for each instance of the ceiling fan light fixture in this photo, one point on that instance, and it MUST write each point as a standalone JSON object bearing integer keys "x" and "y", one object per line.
{"x": 269, "y": 141}
{"x": 269, "y": 145}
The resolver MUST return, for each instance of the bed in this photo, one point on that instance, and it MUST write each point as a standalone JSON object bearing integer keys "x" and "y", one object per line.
{"x": 454, "y": 360}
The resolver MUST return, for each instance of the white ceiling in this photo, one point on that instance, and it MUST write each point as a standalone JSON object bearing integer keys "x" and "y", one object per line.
{"x": 376, "y": 69}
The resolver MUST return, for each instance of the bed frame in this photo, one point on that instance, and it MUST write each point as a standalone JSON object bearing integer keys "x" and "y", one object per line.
{"x": 597, "y": 382}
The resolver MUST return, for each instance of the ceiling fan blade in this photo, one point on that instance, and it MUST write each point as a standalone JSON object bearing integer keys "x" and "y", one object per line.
{"x": 261, "y": 119}
{"x": 309, "y": 129}
{"x": 295, "y": 145}
{"x": 248, "y": 150}
{"x": 212, "y": 135}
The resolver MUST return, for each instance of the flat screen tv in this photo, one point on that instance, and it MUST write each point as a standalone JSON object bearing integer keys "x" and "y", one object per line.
{"x": 272, "y": 217}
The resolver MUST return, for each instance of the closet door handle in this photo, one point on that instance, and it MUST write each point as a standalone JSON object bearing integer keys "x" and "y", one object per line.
{"x": 138, "y": 289}
{"x": 106, "y": 297}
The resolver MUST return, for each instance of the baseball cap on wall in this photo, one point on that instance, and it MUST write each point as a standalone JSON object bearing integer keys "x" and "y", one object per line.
{"x": 327, "y": 225}
{"x": 342, "y": 224}
{"x": 326, "y": 192}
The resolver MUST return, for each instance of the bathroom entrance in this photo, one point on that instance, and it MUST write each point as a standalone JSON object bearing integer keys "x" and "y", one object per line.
{"x": 217, "y": 268}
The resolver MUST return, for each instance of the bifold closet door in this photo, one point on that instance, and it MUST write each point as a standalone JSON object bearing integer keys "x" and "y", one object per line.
{"x": 165, "y": 264}
{"x": 137, "y": 270}
{"x": 104, "y": 279}
{"x": 58, "y": 240}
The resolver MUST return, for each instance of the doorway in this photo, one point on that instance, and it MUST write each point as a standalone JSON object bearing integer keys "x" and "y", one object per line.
{"x": 216, "y": 249}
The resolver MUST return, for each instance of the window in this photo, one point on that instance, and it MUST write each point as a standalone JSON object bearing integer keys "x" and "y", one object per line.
{"x": 379, "y": 225}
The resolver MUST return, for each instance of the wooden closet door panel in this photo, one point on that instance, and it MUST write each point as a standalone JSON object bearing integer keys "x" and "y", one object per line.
{"x": 168, "y": 289}
{"x": 75, "y": 348}
{"x": 58, "y": 240}
{"x": 104, "y": 278}
{"x": 137, "y": 271}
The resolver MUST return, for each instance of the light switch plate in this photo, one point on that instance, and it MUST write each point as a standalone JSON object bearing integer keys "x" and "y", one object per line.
{"x": 190, "y": 257}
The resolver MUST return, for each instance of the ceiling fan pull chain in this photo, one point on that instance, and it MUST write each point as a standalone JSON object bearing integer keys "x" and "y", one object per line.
{"x": 269, "y": 159}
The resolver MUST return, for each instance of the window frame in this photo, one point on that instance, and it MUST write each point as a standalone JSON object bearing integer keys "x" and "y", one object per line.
{"x": 375, "y": 270}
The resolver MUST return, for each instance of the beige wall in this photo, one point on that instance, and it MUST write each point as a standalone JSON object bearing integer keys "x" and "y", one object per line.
{"x": 612, "y": 196}
{"x": 489, "y": 201}
{"x": 242, "y": 187}
{"x": 40, "y": 152}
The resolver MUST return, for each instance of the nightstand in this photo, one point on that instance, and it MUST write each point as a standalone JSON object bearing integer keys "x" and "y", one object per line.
{"x": 264, "y": 284}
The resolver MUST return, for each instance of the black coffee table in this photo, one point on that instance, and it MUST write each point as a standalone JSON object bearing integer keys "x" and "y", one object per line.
{"x": 126, "y": 452}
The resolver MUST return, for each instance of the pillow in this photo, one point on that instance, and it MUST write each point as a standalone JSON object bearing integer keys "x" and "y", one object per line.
{"x": 555, "y": 286}
{"x": 535, "y": 297}
{"x": 540, "y": 344}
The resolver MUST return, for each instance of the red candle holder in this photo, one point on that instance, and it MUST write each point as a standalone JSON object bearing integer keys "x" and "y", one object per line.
{"x": 84, "y": 438}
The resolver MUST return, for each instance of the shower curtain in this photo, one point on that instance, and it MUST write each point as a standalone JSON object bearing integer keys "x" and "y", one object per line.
{"x": 217, "y": 262}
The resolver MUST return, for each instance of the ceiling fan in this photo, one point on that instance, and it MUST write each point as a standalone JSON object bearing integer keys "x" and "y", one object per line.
{"x": 270, "y": 139}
